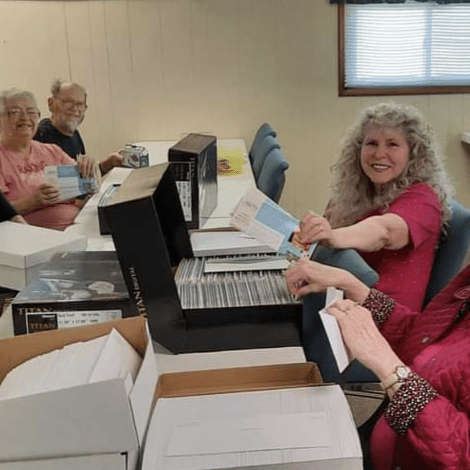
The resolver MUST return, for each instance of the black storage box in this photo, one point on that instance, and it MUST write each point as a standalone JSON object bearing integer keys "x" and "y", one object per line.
{"x": 194, "y": 162}
{"x": 151, "y": 238}
{"x": 72, "y": 289}
{"x": 104, "y": 199}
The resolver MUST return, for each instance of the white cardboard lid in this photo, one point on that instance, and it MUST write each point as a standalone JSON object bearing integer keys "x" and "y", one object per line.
{"x": 23, "y": 246}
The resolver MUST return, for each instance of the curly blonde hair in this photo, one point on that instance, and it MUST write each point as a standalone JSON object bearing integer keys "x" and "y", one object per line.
{"x": 353, "y": 194}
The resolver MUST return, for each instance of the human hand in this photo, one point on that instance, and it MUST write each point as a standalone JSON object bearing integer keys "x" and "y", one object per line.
{"x": 114, "y": 159}
{"x": 46, "y": 195}
{"x": 363, "y": 338}
{"x": 305, "y": 277}
{"x": 109, "y": 162}
{"x": 87, "y": 166}
{"x": 313, "y": 228}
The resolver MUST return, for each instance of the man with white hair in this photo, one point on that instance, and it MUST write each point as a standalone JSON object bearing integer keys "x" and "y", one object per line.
{"x": 67, "y": 104}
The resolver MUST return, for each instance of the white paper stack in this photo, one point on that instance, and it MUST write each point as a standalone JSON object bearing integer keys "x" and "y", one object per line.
{"x": 69, "y": 181}
{"x": 96, "y": 360}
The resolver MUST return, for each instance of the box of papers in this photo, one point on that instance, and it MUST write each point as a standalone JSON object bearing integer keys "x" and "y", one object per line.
{"x": 72, "y": 289}
{"x": 107, "y": 417}
{"x": 150, "y": 236}
{"x": 267, "y": 417}
{"x": 24, "y": 247}
{"x": 237, "y": 302}
{"x": 194, "y": 164}
{"x": 151, "y": 239}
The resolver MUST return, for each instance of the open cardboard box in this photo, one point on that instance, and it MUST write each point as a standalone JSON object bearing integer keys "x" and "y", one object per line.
{"x": 201, "y": 399}
{"x": 24, "y": 247}
{"x": 65, "y": 426}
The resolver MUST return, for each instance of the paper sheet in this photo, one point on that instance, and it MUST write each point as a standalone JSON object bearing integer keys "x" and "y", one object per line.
{"x": 260, "y": 217}
{"x": 69, "y": 182}
{"x": 340, "y": 351}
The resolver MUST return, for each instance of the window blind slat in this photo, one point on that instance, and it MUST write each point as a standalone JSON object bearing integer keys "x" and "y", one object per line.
{"x": 407, "y": 44}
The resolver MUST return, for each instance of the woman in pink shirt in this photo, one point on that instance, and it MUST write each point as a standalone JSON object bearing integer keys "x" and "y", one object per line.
{"x": 390, "y": 201}
{"x": 22, "y": 163}
{"x": 422, "y": 360}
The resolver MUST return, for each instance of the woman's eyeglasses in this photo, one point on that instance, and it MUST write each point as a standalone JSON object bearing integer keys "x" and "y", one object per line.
{"x": 17, "y": 112}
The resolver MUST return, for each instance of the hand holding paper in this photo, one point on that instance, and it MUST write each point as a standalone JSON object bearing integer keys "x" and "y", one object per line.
{"x": 363, "y": 339}
{"x": 340, "y": 351}
{"x": 70, "y": 182}
{"x": 260, "y": 217}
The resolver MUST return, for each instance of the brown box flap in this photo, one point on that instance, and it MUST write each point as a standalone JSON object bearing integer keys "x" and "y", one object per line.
{"x": 237, "y": 379}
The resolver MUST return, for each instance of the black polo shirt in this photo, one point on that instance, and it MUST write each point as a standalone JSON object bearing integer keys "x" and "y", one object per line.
{"x": 72, "y": 145}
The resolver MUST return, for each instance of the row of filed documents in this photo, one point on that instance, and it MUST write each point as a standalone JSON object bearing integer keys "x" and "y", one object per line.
{"x": 242, "y": 282}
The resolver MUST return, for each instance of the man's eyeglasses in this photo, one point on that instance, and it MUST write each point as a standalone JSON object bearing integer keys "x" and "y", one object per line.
{"x": 69, "y": 104}
{"x": 17, "y": 112}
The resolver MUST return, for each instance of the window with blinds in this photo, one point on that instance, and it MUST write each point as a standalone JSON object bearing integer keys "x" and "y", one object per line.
{"x": 405, "y": 48}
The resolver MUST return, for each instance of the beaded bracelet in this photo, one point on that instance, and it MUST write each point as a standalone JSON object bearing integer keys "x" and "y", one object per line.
{"x": 380, "y": 305}
{"x": 408, "y": 401}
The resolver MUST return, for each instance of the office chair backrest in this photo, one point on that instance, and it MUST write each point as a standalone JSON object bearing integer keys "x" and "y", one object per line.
{"x": 260, "y": 152}
{"x": 272, "y": 176}
{"x": 264, "y": 130}
{"x": 452, "y": 251}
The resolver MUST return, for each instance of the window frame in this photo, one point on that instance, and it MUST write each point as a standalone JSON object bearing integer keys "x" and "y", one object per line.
{"x": 381, "y": 91}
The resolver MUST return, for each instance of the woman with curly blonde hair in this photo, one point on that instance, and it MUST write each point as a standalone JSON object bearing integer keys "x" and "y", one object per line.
{"x": 390, "y": 201}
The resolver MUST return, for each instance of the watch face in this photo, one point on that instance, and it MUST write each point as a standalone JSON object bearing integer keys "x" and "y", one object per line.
{"x": 402, "y": 372}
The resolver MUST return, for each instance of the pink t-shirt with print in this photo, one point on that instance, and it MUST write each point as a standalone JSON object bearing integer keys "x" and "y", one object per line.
{"x": 19, "y": 179}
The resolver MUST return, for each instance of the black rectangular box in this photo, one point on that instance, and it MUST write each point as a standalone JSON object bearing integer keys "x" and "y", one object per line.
{"x": 194, "y": 164}
{"x": 103, "y": 201}
{"x": 151, "y": 238}
{"x": 72, "y": 289}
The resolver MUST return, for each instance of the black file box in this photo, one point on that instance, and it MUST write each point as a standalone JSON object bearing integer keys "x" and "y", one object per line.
{"x": 151, "y": 238}
{"x": 194, "y": 162}
{"x": 72, "y": 289}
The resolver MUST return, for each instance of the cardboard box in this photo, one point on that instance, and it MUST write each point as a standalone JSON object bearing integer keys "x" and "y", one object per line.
{"x": 194, "y": 164}
{"x": 225, "y": 429}
{"x": 74, "y": 288}
{"x": 88, "y": 420}
{"x": 88, "y": 462}
{"x": 151, "y": 238}
{"x": 24, "y": 247}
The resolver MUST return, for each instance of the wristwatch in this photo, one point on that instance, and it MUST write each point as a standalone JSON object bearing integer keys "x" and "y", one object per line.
{"x": 399, "y": 375}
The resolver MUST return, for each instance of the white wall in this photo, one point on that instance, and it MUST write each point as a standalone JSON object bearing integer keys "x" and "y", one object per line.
{"x": 156, "y": 69}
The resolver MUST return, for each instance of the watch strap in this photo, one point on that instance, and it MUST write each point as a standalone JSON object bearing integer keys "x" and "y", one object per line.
{"x": 399, "y": 375}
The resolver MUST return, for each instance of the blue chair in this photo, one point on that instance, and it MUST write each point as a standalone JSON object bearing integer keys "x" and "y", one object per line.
{"x": 264, "y": 130}
{"x": 272, "y": 176}
{"x": 261, "y": 151}
{"x": 452, "y": 251}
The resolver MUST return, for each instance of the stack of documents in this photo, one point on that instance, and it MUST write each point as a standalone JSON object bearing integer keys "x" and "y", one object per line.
{"x": 70, "y": 183}
{"x": 232, "y": 282}
{"x": 96, "y": 360}
{"x": 259, "y": 216}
